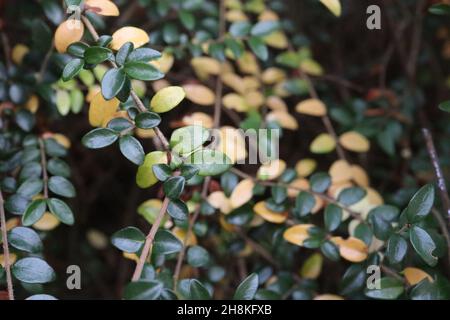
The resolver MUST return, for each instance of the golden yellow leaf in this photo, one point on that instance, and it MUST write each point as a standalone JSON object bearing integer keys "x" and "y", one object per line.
{"x": 242, "y": 193}
{"x": 47, "y": 222}
{"x": 269, "y": 215}
{"x": 334, "y": 6}
{"x": 199, "y": 119}
{"x": 101, "y": 109}
{"x": 145, "y": 177}
{"x": 354, "y": 141}
{"x": 312, "y": 267}
{"x": 166, "y": 99}
{"x": 68, "y": 32}
{"x": 97, "y": 239}
{"x": 415, "y": 275}
{"x": 276, "y": 103}
{"x": 181, "y": 235}
{"x": 359, "y": 175}
{"x": 12, "y": 259}
{"x": 271, "y": 170}
{"x": 273, "y": 75}
{"x": 205, "y": 66}
{"x": 328, "y": 296}
{"x": 102, "y": 7}
{"x": 129, "y": 34}
{"x": 92, "y": 92}
{"x": 297, "y": 234}
{"x": 231, "y": 143}
{"x": 130, "y": 256}
{"x": 248, "y": 63}
{"x": 12, "y": 223}
{"x": 340, "y": 171}
{"x": 297, "y": 185}
{"x": 353, "y": 249}
{"x": 323, "y": 143}
{"x": 218, "y": 200}
{"x": 283, "y": 118}
{"x": 164, "y": 63}
{"x": 305, "y": 167}
{"x": 312, "y": 107}
{"x": 255, "y": 99}
{"x": 19, "y": 52}
{"x": 32, "y": 104}
{"x": 62, "y": 140}
{"x": 199, "y": 94}
{"x": 236, "y": 102}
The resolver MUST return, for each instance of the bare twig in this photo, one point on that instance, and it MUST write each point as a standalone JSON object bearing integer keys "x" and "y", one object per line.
{"x": 6, "y": 249}
{"x": 6, "y": 48}
{"x": 45, "y": 63}
{"x": 44, "y": 167}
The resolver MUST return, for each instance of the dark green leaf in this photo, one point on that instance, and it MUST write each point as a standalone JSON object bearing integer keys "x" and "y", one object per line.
{"x": 25, "y": 239}
{"x": 197, "y": 291}
{"x": 209, "y": 162}
{"x": 332, "y": 216}
{"x": 99, "y": 138}
{"x": 132, "y": 149}
{"x": 112, "y": 83}
{"x": 396, "y": 249}
{"x": 77, "y": 49}
{"x": 423, "y": 244}
{"x": 96, "y": 55}
{"x": 264, "y": 28}
{"x": 320, "y": 182}
{"x": 142, "y": 71}
{"x": 330, "y": 250}
{"x": 390, "y": 289}
{"x": 129, "y": 239}
{"x": 259, "y": 48}
{"x": 33, "y": 270}
{"x": 425, "y": 290}
{"x": 30, "y": 187}
{"x": 351, "y": 195}
{"x": 173, "y": 187}
{"x": 304, "y": 203}
{"x": 240, "y": 28}
{"x": 197, "y": 256}
{"x": 147, "y": 120}
{"x": 72, "y": 69}
{"x": 162, "y": 171}
{"x": 124, "y": 52}
{"x": 440, "y": 9}
{"x": 144, "y": 55}
{"x": 16, "y": 204}
{"x": 61, "y": 210}
{"x": 58, "y": 167}
{"x": 421, "y": 203}
{"x": 61, "y": 186}
{"x": 445, "y": 106}
{"x": 247, "y": 288}
{"x": 188, "y": 171}
{"x": 177, "y": 209}
{"x": 34, "y": 212}
{"x": 166, "y": 243}
{"x": 143, "y": 290}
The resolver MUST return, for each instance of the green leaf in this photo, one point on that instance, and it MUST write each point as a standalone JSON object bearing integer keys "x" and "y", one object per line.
{"x": 364, "y": 233}
{"x": 187, "y": 139}
{"x": 142, "y": 71}
{"x": 259, "y": 48}
{"x": 320, "y": 182}
{"x": 423, "y": 244}
{"x": 421, "y": 203}
{"x": 147, "y": 120}
{"x": 209, "y": 162}
{"x": 61, "y": 210}
{"x": 162, "y": 171}
{"x": 173, "y": 187}
{"x": 178, "y": 210}
{"x": 33, "y": 270}
{"x": 289, "y": 59}
{"x": 166, "y": 243}
{"x": 330, "y": 250}
{"x": 445, "y": 106}
{"x": 124, "y": 52}
{"x": 333, "y": 217}
{"x": 279, "y": 194}
{"x": 30, "y": 187}
{"x": 247, "y": 288}
{"x": 25, "y": 119}
{"x": 396, "y": 249}
{"x": 390, "y": 289}
{"x": 112, "y": 83}
{"x": 77, "y": 49}
{"x": 217, "y": 51}
{"x": 382, "y": 229}
{"x": 25, "y": 239}
{"x": 132, "y": 149}
{"x": 61, "y": 186}
{"x": 99, "y": 138}
{"x": 72, "y": 69}
{"x": 34, "y": 212}
{"x": 386, "y": 212}
{"x": 354, "y": 279}
{"x": 304, "y": 203}
{"x": 425, "y": 290}
{"x": 16, "y": 204}
{"x": 264, "y": 28}
{"x": 187, "y": 19}
{"x": 144, "y": 55}
{"x": 41, "y": 297}
{"x": 96, "y": 55}
{"x": 351, "y": 195}
{"x": 58, "y": 167}
{"x": 236, "y": 47}
{"x": 188, "y": 171}
{"x": 129, "y": 239}
{"x": 63, "y": 102}
{"x": 440, "y": 9}
{"x": 197, "y": 256}
{"x": 143, "y": 290}
{"x": 197, "y": 291}
{"x": 240, "y": 29}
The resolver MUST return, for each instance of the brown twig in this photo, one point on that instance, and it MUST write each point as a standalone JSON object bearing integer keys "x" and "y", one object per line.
{"x": 44, "y": 167}
{"x": 9, "y": 281}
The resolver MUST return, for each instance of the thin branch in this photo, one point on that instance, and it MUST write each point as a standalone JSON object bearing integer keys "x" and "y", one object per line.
{"x": 149, "y": 241}
{"x": 6, "y": 49}
{"x": 44, "y": 167}
{"x": 45, "y": 63}
{"x": 9, "y": 281}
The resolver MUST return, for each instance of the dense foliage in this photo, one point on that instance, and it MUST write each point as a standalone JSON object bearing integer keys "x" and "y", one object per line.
{"x": 354, "y": 206}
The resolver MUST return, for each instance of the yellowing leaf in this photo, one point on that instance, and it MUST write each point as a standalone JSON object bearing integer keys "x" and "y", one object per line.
{"x": 328, "y": 296}
{"x": 92, "y": 92}
{"x": 199, "y": 94}
{"x": 323, "y": 143}
{"x": 248, "y": 64}
{"x": 145, "y": 133}
{"x": 269, "y": 215}
{"x": 312, "y": 267}
{"x": 242, "y": 193}
{"x": 273, "y": 75}
{"x": 354, "y": 141}
{"x": 353, "y": 249}
{"x": 360, "y": 176}
{"x": 19, "y": 52}
{"x": 236, "y": 102}
{"x": 231, "y": 143}
{"x": 312, "y": 107}
{"x": 102, "y": 7}
{"x": 129, "y": 34}
{"x": 12, "y": 223}
{"x": 311, "y": 67}
{"x": 164, "y": 63}
{"x": 167, "y": 99}
{"x": 11, "y": 260}
{"x": 205, "y": 66}
{"x": 32, "y": 104}
{"x": 218, "y": 200}
{"x": 334, "y": 6}
{"x": 340, "y": 171}
{"x": 415, "y": 275}
{"x": 225, "y": 225}
{"x": 97, "y": 239}
{"x": 271, "y": 170}
{"x": 198, "y": 119}
{"x": 181, "y": 235}
{"x": 284, "y": 119}
{"x": 277, "y": 40}
{"x": 130, "y": 256}
{"x": 47, "y": 222}
{"x": 254, "y": 99}
{"x": 233, "y": 81}
{"x": 68, "y": 32}
{"x": 101, "y": 109}
{"x": 305, "y": 167}
{"x": 62, "y": 140}
{"x": 236, "y": 15}
{"x": 276, "y": 103}
{"x": 296, "y": 186}
{"x": 297, "y": 234}
{"x": 268, "y": 15}
{"x": 145, "y": 177}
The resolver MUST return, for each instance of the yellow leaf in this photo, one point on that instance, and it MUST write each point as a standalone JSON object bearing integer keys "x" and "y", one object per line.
{"x": 205, "y": 66}
{"x": 311, "y": 67}
{"x": 297, "y": 185}
{"x": 97, "y": 239}
{"x": 242, "y": 193}
{"x": 323, "y": 143}
{"x": 199, "y": 94}
{"x": 284, "y": 119}
{"x": 360, "y": 176}
{"x": 269, "y": 215}
{"x": 164, "y": 63}
{"x": 102, "y": 7}
{"x": 271, "y": 170}
{"x": 11, "y": 260}
{"x": 277, "y": 40}
{"x": 231, "y": 143}
{"x": 297, "y": 234}
{"x": 334, "y": 6}
{"x": 248, "y": 63}
{"x": 68, "y": 32}
{"x": 145, "y": 177}
{"x": 233, "y": 81}
{"x": 167, "y": 99}
{"x": 47, "y": 222}
{"x": 145, "y": 133}
{"x": 354, "y": 141}
{"x": 139, "y": 87}
{"x": 62, "y": 140}
{"x": 276, "y": 103}
{"x": 273, "y": 75}
{"x": 353, "y": 249}
{"x": 12, "y": 223}
{"x": 305, "y": 167}
{"x": 268, "y": 15}
{"x": 101, "y": 109}
{"x": 225, "y": 225}
{"x": 129, "y": 34}
{"x": 32, "y": 104}
{"x": 218, "y": 200}
{"x": 130, "y": 256}
{"x": 312, "y": 267}
{"x": 340, "y": 171}
{"x": 19, "y": 52}
{"x": 236, "y": 15}
{"x": 312, "y": 107}
{"x": 415, "y": 275}
{"x": 236, "y": 102}
{"x": 92, "y": 92}
{"x": 198, "y": 119}
{"x": 181, "y": 235}
{"x": 328, "y": 296}
{"x": 254, "y": 99}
